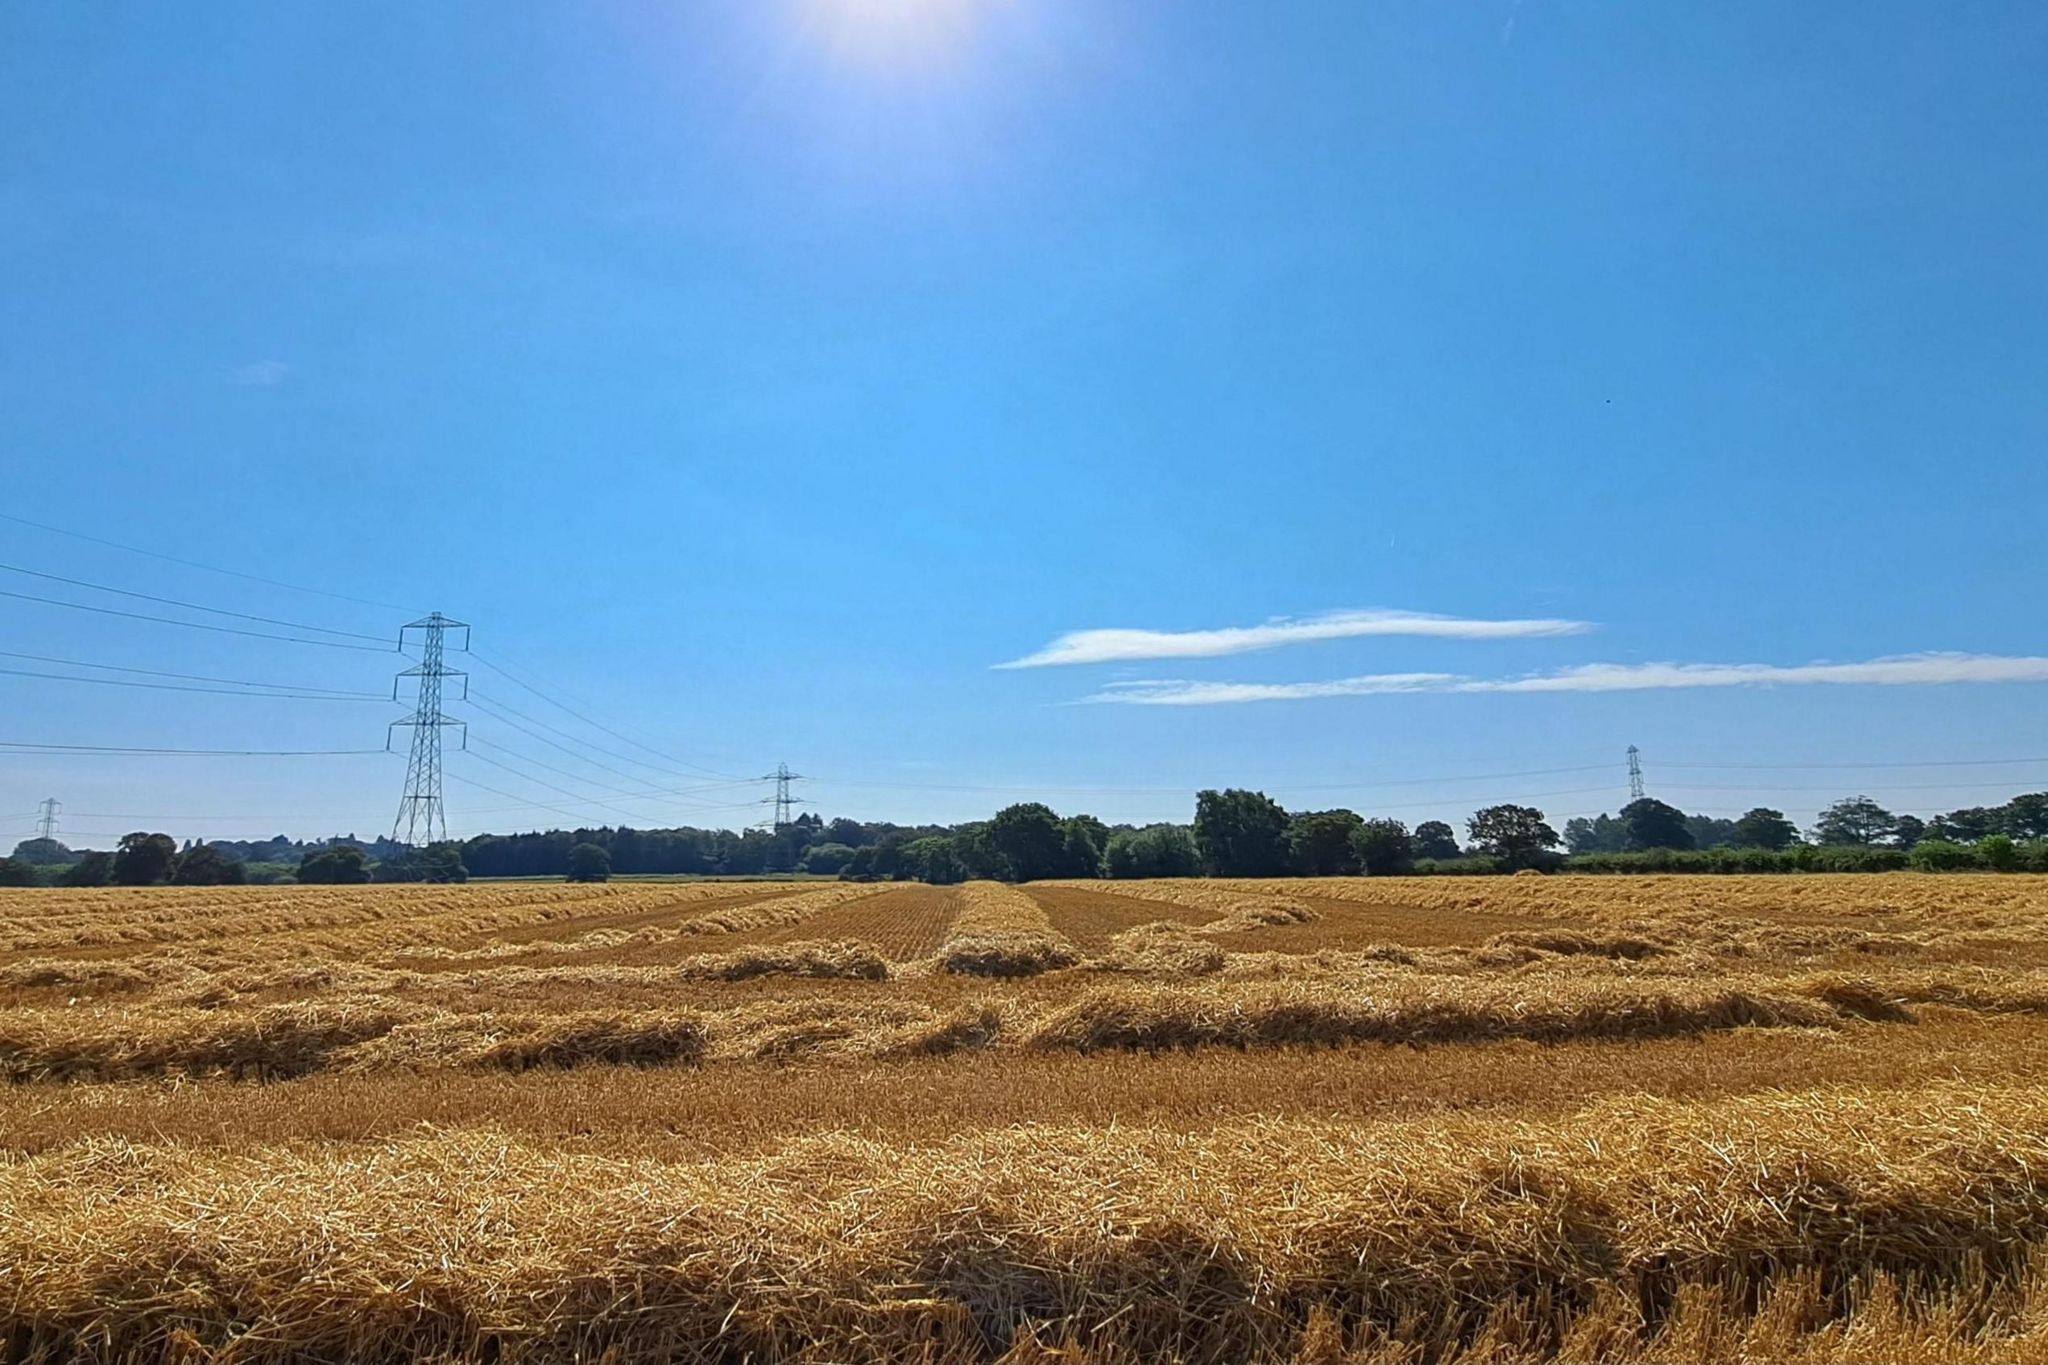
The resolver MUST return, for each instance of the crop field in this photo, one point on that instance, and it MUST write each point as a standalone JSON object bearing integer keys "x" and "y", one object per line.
{"x": 1457, "y": 1119}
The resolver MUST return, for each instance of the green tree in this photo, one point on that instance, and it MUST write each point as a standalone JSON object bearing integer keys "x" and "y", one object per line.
{"x": 1763, "y": 827}
{"x": 43, "y": 852}
{"x": 826, "y": 860}
{"x": 2026, "y": 817}
{"x": 204, "y": 865}
{"x": 1908, "y": 831}
{"x": 144, "y": 859}
{"x": 1601, "y": 834}
{"x": 96, "y": 868}
{"x": 1710, "y": 831}
{"x": 1155, "y": 851}
{"x": 1965, "y": 826}
{"x": 1435, "y": 840}
{"x": 341, "y": 866}
{"x": 1854, "y": 821}
{"x": 15, "y": 872}
{"x": 1319, "y": 843}
{"x": 434, "y": 863}
{"x": 1383, "y": 848}
{"x": 1517, "y": 835}
{"x": 1240, "y": 834}
{"x": 844, "y": 831}
{"x": 935, "y": 859}
{"x": 1651, "y": 823}
{"x": 590, "y": 862}
{"x": 1027, "y": 842}
{"x": 1083, "y": 838}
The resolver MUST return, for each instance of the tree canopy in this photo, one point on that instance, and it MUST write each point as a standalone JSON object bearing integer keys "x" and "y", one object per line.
{"x": 1855, "y": 820}
{"x": 1651, "y": 823}
{"x": 144, "y": 859}
{"x": 1517, "y": 835}
{"x": 1240, "y": 834}
{"x": 589, "y": 863}
{"x": 1762, "y": 827}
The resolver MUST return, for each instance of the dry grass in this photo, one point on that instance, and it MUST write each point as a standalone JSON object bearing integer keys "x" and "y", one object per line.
{"x": 1611, "y": 1119}
{"x": 1618, "y": 1225}
{"x": 860, "y": 961}
{"x": 1000, "y": 931}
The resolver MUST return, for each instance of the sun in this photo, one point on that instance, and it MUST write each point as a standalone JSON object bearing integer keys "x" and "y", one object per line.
{"x": 892, "y": 32}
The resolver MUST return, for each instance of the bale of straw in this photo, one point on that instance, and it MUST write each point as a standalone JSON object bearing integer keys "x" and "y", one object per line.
{"x": 1260, "y": 913}
{"x": 1007, "y": 954}
{"x": 850, "y": 959}
{"x": 1163, "y": 948}
{"x": 599, "y": 1039}
{"x": 1579, "y": 943}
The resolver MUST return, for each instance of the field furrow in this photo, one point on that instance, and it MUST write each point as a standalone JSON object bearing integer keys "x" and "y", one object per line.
{"x": 906, "y": 923}
{"x": 1091, "y": 917}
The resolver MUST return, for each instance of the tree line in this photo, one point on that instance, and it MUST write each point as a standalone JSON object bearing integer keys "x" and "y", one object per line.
{"x": 1235, "y": 833}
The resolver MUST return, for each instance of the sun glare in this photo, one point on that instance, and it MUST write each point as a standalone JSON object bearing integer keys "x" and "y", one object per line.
{"x": 891, "y": 32}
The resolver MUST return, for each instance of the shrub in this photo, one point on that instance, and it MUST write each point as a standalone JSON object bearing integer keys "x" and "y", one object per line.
{"x": 589, "y": 863}
{"x": 1939, "y": 855}
{"x": 1998, "y": 853}
{"x": 1155, "y": 851}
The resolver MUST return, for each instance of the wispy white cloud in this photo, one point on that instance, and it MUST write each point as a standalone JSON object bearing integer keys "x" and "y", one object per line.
{"x": 1183, "y": 693}
{"x": 259, "y": 374}
{"x": 1113, "y": 646}
{"x": 1904, "y": 670}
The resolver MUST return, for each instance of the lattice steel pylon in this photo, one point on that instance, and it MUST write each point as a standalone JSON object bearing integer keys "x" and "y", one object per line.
{"x": 421, "y": 816}
{"x": 782, "y": 800}
{"x": 1635, "y": 773}
{"x": 46, "y": 826}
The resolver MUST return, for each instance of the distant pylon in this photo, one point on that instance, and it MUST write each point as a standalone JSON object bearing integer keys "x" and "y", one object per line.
{"x": 46, "y": 828}
{"x": 782, "y": 800}
{"x": 420, "y": 813}
{"x": 1635, "y": 773}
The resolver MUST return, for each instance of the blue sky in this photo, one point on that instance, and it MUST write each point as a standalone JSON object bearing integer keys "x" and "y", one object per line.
{"x": 759, "y": 374}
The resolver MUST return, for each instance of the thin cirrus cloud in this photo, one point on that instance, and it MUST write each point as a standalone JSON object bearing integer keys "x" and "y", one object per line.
{"x": 1905, "y": 670}
{"x": 1123, "y": 646}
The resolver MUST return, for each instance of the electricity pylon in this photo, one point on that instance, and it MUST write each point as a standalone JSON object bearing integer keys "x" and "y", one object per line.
{"x": 420, "y": 812}
{"x": 782, "y": 800}
{"x": 1635, "y": 773}
{"x": 46, "y": 827}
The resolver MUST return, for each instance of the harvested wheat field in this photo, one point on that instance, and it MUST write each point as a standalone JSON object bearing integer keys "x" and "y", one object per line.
{"x": 1520, "y": 1119}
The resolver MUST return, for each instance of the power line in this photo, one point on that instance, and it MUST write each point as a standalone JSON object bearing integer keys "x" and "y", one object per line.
{"x": 1887, "y": 786}
{"x": 604, "y": 787}
{"x": 188, "y": 677}
{"x": 494, "y": 708}
{"x": 1188, "y": 788}
{"x": 563, "y": 791}
{"x": 187, "y": 753}
{"x": 188, "y": 606}
{"x": 191, "y": 625}
{"x": 543, "y": 805}
{"x": 181, "y": 687}
{"x": 1918, "y": 763}
{"x": 499, "y": 791}
{"x": 598, "y": 725}
{"x": 195, "y": 564}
